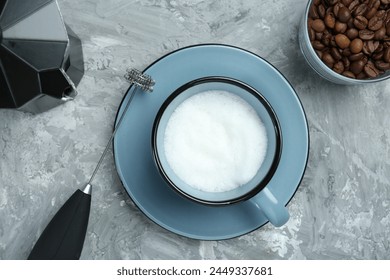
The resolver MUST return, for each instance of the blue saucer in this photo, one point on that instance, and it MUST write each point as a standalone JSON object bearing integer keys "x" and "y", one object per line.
{"x": 133, "y": 153}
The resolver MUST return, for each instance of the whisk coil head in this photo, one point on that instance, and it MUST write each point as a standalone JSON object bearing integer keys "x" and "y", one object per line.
{"x": 139, "y": 79}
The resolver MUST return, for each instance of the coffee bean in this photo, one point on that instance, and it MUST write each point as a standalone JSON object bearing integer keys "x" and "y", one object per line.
{"x": 318, "y": 36}
{"x": 357, "y": 66}
{"x": 344, "y": 14}
{"x": 370, "y": 70}
{"x": 331, "y": 2}
{"x": 313, "y": 12}
{"x": 346, "y": 2}
{"x": 376, "y": 45}
{"x": 386, "y": 42}
{"x": 380, "y": 33}
{"x": 366, "y": 34}
{"x": 380, "y": 14}
{"x": 356, "y": 45}
{"x": 333, "y": 42}
{"x": 365, "y": 49}
{"x": 360, "y": 10}
{"x": 388, "y": 29}
{"x": 370, "y": 13}
{"x": 369, "y": 47}
{"x": 338, "y": 67}
{"x": 330, "y": 20}
{"x": 336, "y": 9}
{"x": 352, "y": 33}
{"x": 326, "y": 38}
{"x": 335, "y": 53}
{"x": 328, "y": 59}
{"x": 321, "y": 11}
{"x": 374, "y": 4}
{"x": 381, "y": 65}
{"x": 312, "y": 34}
{"x": 354, "y": 4}
{"x": 342, "y": 41}
{"x": 360, "y": 22}
{"x": 377, "y": 56}
{"x": 375, "y": 23}
{"x": 346, "y": 52}
{"x": 318, "y": 45}
{"x": 365, "y": 59}
{"x": 361, "y": 76}
{"x": 340, "y": 27}
{"x": 350, "y": 23}
{"x": 379, "y": 48}
{"x": 346, "y": 62}
{"x": 356, "y": 57}
{"x": 386, "y": 54}
{"x": 349, "y": 74}
{"x": 385, "y": 2}
{"x": 387, "y": 18}
{"x": 318, "y": 25}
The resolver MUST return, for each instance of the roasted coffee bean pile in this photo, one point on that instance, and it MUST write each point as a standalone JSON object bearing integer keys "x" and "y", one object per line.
{"x": 352, "y": 37}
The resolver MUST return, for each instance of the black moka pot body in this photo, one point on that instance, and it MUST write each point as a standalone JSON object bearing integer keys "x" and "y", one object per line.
{"x": 41, "y": 59}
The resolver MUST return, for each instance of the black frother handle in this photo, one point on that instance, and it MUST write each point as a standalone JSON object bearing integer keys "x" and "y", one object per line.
{"x": 63, "y": 238}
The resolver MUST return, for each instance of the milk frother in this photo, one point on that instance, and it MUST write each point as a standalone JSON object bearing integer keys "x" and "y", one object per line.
{"x": 63, "y": 237}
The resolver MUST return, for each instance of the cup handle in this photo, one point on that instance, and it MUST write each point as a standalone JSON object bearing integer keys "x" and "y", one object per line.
{"x": 273, "y": 209}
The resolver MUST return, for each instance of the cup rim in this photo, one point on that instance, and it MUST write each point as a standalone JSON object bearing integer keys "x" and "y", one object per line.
{"x": 278, "y": 137}
{"x": 336, "y": 75}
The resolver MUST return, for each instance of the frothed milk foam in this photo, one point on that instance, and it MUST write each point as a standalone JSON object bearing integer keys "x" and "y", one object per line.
{"x": 215, "y": 141}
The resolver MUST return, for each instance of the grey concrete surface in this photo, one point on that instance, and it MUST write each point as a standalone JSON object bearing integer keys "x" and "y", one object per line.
{"x": 342, "y": 207}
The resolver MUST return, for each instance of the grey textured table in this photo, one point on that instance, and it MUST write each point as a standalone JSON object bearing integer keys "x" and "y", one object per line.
{"x": 342, "y": 207}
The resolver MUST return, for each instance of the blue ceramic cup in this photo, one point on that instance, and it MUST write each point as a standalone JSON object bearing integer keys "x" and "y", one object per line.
{"x": 256, "y": 189}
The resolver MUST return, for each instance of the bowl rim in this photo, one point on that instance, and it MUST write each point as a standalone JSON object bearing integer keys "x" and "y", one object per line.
{"x": 277, "y": 129}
